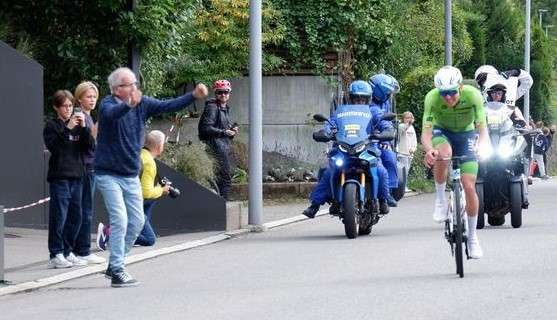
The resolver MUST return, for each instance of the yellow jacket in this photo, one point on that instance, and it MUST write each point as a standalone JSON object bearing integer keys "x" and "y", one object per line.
{"x": 150, "y": 189}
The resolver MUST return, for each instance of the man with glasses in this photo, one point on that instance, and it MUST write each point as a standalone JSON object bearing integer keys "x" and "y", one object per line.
{"x": 453, "y": 115}
{"x": 217, "y": 131}
{"x": 122, "y": 117}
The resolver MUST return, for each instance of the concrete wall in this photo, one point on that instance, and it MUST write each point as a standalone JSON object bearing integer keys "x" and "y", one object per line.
{"x": 288, "y": 105}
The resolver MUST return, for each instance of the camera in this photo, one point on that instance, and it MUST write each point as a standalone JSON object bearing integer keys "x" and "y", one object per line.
{"x": 172, "y": 191}
{"x": 77, "y": 110}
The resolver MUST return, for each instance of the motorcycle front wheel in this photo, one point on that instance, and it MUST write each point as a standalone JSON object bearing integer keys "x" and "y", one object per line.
{"x": 351, "y": 207}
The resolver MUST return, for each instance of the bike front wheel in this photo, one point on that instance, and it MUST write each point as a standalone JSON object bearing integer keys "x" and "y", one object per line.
{"x": 458, "y": 231}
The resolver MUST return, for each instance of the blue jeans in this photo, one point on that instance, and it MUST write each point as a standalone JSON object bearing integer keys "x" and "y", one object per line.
{"x": 147, "y": 236}
{"x": 124, "y": 203}
{"x": 388, "y": 158}
{"x": 83, "y": 241}
{"x": 64, "y": 215}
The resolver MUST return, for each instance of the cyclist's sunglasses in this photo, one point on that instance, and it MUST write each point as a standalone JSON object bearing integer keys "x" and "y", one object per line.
{"x": 446, "y": 93}
{"x": 222, "y": 92}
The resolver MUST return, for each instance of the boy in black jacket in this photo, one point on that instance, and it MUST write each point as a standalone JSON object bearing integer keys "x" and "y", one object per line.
{"x": 67, "y": 138}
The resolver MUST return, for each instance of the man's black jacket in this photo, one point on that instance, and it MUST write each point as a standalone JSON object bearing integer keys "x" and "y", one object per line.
{"x": 214, "y": 122}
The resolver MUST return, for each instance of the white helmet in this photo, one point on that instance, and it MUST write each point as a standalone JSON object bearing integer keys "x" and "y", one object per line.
{"x": 486, "y": 68}
{"x": 448, "y": 78}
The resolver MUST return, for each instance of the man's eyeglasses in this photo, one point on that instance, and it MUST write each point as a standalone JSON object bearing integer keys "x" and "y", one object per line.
{"x": 222, "y": 92}
{"x": 448, "y": 93}
{"x": 135, "y": 84}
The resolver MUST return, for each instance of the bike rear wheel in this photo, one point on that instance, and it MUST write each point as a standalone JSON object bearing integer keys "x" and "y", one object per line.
{"x": 458, "y": 230}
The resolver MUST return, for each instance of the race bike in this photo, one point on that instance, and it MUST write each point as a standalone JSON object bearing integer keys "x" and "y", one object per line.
{"x": 353, "y": 163}
{"x": 501, "y": 181}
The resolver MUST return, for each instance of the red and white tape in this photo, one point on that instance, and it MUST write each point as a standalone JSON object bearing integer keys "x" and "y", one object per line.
{"x": 6, "y": 210}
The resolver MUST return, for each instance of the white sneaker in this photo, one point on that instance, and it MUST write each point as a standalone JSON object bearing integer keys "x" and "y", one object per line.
{"x": 440, "y": 211}
{"x": 59, "y": 262}
{"x": 75, "y": 260}
{"x": 474, "y": 249}
{"x": 92, "y": 258}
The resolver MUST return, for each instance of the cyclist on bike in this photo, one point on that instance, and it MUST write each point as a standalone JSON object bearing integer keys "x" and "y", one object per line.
{"x": 359, "y": 93}
{"x": 453, "y": 114}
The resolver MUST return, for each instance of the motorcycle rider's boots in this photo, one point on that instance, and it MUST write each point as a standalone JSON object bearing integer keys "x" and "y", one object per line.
{"x": 474, "y": 249}
{"x": 311, "y": 211}
{"x": 440, "y": 211}
{"x": 391, "y": 201}
{"x": 525, "y": 204}
{"x": 383, "y": 207}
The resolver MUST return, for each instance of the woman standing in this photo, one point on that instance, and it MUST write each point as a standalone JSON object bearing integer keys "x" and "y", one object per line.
{"x": 86, "y": 95}
{"x": 66, "y": 137}
{"x": 407, "y": 142}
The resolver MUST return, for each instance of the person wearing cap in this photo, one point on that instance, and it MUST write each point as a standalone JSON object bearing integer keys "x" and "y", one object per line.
{"x": 453, "y": 116}
{"x": 217, "y": 131}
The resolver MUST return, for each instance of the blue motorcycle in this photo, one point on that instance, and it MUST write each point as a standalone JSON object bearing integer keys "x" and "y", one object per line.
{"x": 353, "y": 162}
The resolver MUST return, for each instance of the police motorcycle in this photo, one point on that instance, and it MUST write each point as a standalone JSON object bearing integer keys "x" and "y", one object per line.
{"x": 501, "y": 184}
{"x": 354, "y": 180}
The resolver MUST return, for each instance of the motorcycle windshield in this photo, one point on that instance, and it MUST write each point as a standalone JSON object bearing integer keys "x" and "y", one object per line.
{"x": 352, "y": 123}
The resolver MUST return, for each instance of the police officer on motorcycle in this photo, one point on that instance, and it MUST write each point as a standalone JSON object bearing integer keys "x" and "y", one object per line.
{"x": 384, "y": 86}
{"x": 359, "y": 93}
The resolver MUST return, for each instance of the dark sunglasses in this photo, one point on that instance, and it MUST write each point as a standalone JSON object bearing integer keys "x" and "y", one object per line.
{"x": 446, "y": 93}
{"x": 222, "y": 92}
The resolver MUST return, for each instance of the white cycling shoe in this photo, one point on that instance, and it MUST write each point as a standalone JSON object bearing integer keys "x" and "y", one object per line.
{"x": 440, "y": 211}
{"x": 474, "y": 249}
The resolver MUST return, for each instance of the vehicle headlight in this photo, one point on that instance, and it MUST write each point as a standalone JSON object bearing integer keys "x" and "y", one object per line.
{"x": 505, "y": 151}
{"x": 342, "y": 148}
{"x": 339, "y": 162}
{"x": 360, "y": 148}
{"x": 485, "y": 152}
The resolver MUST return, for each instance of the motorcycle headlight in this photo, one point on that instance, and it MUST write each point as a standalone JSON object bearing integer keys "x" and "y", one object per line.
{"x": 339, "y": 162}
{"x": 505, "y": 151}
{"x": 360, "y": 148}
{"x": 342, "y": 148}
{"x": 485, "y": 152}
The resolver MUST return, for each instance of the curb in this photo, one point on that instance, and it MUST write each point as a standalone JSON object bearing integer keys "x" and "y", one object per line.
{"x": 99, "y": 268}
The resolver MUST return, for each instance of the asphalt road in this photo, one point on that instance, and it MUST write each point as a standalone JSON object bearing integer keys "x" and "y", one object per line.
{"x": 309, "y": 270}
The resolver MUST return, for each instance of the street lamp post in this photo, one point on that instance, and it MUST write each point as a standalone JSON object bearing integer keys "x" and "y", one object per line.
{"x": 255, "y": 116}
{"x": 541, "y": 12}
{"x": 448, "y": 34}
{"x": 527, "y": 58}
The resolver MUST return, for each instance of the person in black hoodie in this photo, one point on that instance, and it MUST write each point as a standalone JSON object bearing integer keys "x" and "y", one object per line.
{"x": 217, "y": 131}
{"x": 67, "y": 138}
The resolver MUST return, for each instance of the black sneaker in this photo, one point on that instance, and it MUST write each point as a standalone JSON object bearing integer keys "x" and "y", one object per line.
{"x": 311, "y": 211}
{"x": 123, "y": 279}
{"x": 383, "y": 207}
{"x": 108, "y": 273}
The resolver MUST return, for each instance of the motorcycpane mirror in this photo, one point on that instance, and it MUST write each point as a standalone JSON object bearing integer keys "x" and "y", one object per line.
{"x": 388, "y": 116}
{"x": 319, "y": 117}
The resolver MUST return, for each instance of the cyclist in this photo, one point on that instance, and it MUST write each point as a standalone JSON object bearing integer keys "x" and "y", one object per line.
{"x": 359, "y": 93}
{"x": 453, "y": 114}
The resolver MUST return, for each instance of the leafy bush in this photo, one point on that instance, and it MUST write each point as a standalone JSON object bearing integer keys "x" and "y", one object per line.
{"x": 415, "y": 87}
{"x": 418, "y": 178}
{"x": 193, "y": 161}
